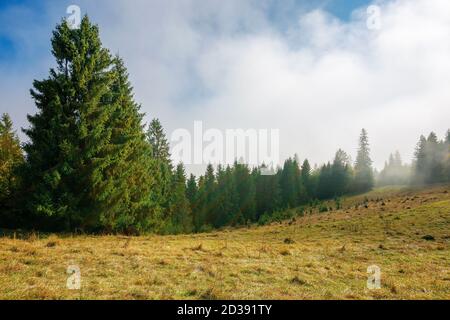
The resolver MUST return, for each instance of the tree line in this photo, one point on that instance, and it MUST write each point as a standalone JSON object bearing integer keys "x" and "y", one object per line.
{"x": 431, "y": 164}
{"x": 91, "y": 165}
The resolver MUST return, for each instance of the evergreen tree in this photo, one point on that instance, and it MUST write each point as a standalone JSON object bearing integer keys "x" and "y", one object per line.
{"x": 268, "y": 193}
{"x": 394, "y": 172}
{"x": 180, "y": 211}
{"x": 325, "y": 188}
{"x": 162, "y": 168}
{"x": 306, "y": 179}
{"x": 246, "y": 192}
{"x": 124, "y": 180}
{"x": 289, "y": 183}
{"x": 340, "y": 174}
{"x": 420, "y": 163}
{"x": 434, "y": 156}
{"x": 11, "y": 159}
{"x": 364, "y": 178}
{"x": 87, "y": 156}
{"x": 192, "y": 192}
{"x": 431, "y": 160}
{"x": 226, "y": 198}
{"x": 204, "y": 215}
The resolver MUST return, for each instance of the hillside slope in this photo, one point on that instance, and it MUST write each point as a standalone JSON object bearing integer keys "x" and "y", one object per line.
{"x": 405, "y": 232}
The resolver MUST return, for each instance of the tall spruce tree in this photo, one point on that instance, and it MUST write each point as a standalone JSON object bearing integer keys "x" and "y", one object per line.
{"x": 306, "y": 179}
{"x": 268, "y": 193}
{"x": 192, "y": 192}
{"x": 162, "y": 169}
{"x": 180, "y": 210}
{"x": 204, "y": 215}
{"x": 420, "y": 161}
{"x": 246, "y": 192}
{"x": 340, "y": 173}
{"x": 289, "y": 183}
{"x": 87, "y": 155}
{"x": 364, "y": 178}
{"x": 226, "y": 198}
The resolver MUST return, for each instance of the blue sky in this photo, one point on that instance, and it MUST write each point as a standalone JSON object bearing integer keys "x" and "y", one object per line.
{"x": 259, "y": 64}
{"x": 37, "y": 12}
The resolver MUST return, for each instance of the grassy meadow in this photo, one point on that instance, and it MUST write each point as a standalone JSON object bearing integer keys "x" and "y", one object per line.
{"x": 406, "y": 232}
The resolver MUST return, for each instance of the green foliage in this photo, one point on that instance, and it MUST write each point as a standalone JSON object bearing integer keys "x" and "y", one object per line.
{"x": 88, "y": 161}
{"x": 246, "y": 190}
{"x": 11, "y": 160}
{"x": 180, "y": 209}
{"x": 90, "y": 164}
{"x": 364, "y": 177}
{"x": 394, "y": 172}
{"x": 432, "y": 160}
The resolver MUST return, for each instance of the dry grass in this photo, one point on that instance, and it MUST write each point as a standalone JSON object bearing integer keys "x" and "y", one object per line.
{"x": 319, "y": 256}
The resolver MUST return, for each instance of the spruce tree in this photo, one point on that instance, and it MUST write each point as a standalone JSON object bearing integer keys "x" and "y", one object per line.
{"x": 226, "y": 198}
{"x": 268, "y": 193}
{"x": 87, "y": 156}
{"x": 364, "y": 178}
{"x": 340, "y": 174}
{"x": 180, "y": 211}
{"x": 325, "y": 189}
{"x": 306, "y": 179}
{"x": 245, "y": 187}
{"x": 124, "y": 180}
{"x": 162, "y": 168}
{"x": 192, "y": 192}
{"x": 289, "y": 183}
{"x": 420, "y": 161}
{"x": 204, "y": 215}
{"x": 434, "y": 156}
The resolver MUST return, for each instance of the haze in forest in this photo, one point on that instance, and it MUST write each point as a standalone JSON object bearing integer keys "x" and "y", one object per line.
{"x": 316, "y": 73}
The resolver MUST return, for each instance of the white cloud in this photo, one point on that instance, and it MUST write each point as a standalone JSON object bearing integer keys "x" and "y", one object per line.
{"x": 320, "y": 80}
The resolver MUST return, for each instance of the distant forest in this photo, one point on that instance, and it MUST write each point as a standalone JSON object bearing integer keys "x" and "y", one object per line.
{"x": 91, "y": 165}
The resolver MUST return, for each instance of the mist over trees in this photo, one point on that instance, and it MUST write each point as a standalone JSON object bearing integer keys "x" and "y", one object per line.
{"x": 395, "y": 172}
{"x": 91, "y": 164}
{"x": 432, "y": 160}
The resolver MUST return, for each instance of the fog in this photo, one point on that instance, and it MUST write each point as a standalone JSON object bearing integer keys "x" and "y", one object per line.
{"x": 230, "y": 64}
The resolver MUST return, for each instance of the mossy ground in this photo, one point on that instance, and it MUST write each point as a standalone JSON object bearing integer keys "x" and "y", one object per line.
{"x": 317, "y": 256}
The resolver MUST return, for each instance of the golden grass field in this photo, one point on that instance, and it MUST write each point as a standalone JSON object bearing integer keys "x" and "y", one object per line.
{"x": 318, "y": 256}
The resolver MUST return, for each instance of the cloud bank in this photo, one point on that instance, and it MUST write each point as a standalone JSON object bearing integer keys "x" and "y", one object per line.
{"x": 317, "y": 78}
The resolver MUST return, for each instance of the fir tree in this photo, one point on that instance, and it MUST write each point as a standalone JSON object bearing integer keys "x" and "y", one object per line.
{"x": 364, "y": 178}
{"x": 204, "y": 216}
{"x": 192, "y": 192}
{"x": 268, "y": 193}
{"x": 162, "y": 168}
{"x": 87, "y": 156}
{"x": 340, "y": 174}
{"x": 289, "y": 183}
{"x": 306, "y": 178}
{"x": 246, "y": 192}
{"x": 226, "y": 198}
{"x": 180, "y": 211}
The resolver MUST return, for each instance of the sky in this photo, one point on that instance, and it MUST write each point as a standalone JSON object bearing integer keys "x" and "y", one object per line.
{"x": 318, "y": 71}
